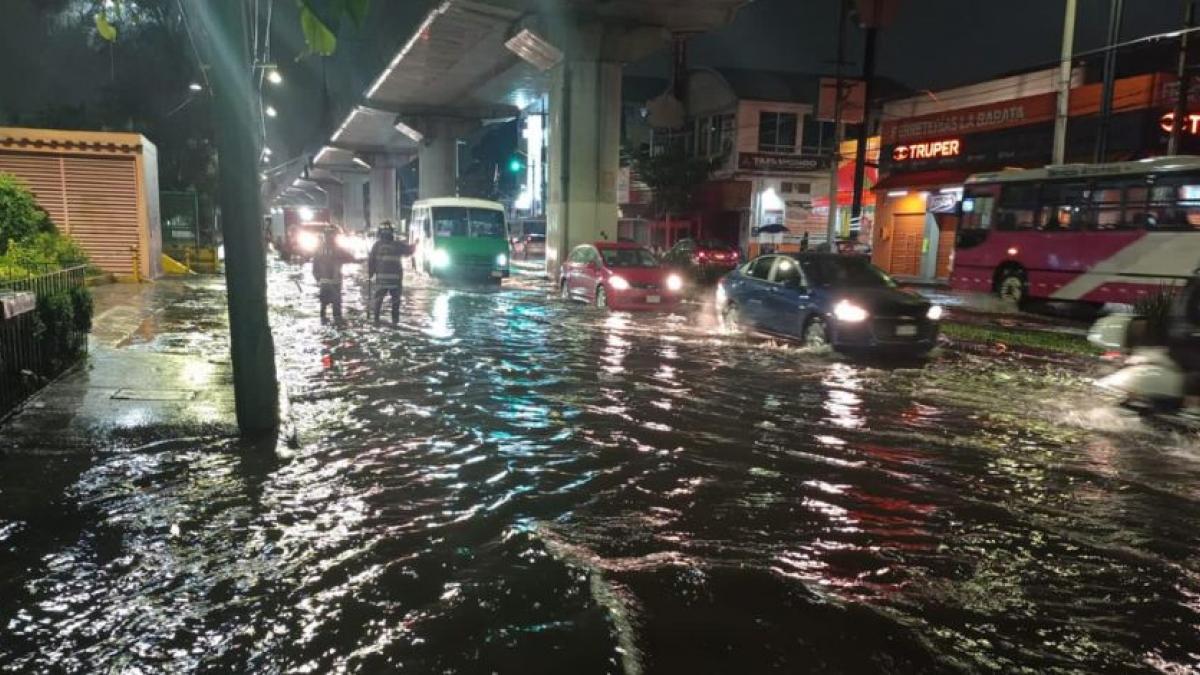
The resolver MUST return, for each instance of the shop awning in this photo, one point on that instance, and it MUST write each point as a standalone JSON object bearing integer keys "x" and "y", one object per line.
{"x": 919, "y": 180}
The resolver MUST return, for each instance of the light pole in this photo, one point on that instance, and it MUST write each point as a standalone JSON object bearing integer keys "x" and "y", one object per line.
{"x": 252, "y": 349}
{"x": 1181, "y": 71}
{"x": 1063, "y": 115}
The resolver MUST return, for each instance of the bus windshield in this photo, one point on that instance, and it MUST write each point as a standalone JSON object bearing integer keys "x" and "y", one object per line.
{"x": 460, "y": 221}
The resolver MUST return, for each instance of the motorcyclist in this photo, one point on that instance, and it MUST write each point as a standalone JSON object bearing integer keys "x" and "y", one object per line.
{"x": 327, "y": 270}
{"x": 386, "y": 270}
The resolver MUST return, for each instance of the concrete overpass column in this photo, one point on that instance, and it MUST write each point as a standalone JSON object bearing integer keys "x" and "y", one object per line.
{"x": 354, "y": 215}
{"x": 437, "y": 174}
{"x": 383, "y": 192}
{"x": 585, "y": 129}
{"x": 333, "y": 200}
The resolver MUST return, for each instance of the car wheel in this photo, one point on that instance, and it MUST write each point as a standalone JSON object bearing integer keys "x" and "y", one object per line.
{"x": 601, "y": 298}
{"x": 816, "y": 333}
{"x": 564, "y": 292}
{"x": 1013, "y": 286}
{"x": 731, "y": 317}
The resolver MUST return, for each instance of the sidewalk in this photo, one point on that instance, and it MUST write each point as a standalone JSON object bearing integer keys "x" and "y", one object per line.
{"x": 989, "y": 309}
{"x": 157, "y": 367}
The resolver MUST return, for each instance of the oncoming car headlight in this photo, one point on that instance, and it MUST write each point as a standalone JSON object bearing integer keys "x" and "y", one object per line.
{"x": 439, "y": 259}
{"x": 308, "y": 241}
{"x": 674, "y": 282}
{"x": 849, "y": 312}
{"x": 618, "y": 283}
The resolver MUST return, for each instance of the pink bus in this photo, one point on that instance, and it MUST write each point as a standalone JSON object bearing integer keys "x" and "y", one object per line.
{"x": 1087, "y": 232}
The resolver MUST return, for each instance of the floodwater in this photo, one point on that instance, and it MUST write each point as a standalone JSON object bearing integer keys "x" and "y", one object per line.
{"x": 508, "y": 484}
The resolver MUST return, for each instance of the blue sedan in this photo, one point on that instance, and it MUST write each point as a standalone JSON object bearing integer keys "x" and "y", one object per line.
{"x": 828, "y": 299}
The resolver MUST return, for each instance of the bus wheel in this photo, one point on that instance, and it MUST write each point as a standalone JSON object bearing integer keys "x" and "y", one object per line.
{"x": 1013, "y": 285}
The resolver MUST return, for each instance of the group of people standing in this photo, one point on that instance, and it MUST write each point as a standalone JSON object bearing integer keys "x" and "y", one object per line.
{"x": 385, "y": 273}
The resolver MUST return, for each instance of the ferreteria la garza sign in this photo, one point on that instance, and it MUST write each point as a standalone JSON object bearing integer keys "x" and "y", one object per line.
{"x": 758, "y": 162}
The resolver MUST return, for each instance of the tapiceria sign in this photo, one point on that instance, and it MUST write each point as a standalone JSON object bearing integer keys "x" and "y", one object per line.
{"x": 927, "y": 150}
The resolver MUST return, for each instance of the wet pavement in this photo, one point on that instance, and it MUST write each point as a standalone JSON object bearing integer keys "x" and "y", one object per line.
{"x": 506, "y": 483}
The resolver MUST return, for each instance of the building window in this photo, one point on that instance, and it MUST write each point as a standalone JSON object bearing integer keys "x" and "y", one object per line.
{"x": 777, "y": 132}
{"x": 819, "y": 137}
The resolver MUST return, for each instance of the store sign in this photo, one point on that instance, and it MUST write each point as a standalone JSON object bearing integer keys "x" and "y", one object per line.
{"x": 977, "y": 119}
{"x": 14, "y": 304}
{"x": 929, "y": 150}
{"x": 760, "y": 163}
{"x": 1191, "y": 124}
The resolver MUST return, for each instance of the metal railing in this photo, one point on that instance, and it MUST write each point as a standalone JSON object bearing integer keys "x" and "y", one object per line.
{"x": 28, "y": 360}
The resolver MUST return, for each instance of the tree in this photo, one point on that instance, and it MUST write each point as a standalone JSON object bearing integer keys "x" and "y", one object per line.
{"x": 20, "y": 216}
{"x": 673, "y": 176}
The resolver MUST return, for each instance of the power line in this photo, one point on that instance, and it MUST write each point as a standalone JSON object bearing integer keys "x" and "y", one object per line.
{"x": 187, "y": 25}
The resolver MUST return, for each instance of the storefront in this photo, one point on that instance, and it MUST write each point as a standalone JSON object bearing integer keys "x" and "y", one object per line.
{"x": 925, "y": 160}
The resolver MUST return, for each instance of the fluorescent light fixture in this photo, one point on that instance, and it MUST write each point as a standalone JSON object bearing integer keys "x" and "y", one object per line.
{"x": 271, "y": 111}
{"x": 951, "y": 191}
{"x": 898, "y": 193}
{"x": 412, "y": 133}
{"x": 534, "y": 50}
{"x": 361, "y": 163}
{"x": 345, "y": 124}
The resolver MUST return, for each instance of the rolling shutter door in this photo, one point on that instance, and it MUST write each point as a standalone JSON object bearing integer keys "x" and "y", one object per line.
{"x": 102, "y": 206}
{"x": 43, "y": 175}
{"x": 907, "y": 236}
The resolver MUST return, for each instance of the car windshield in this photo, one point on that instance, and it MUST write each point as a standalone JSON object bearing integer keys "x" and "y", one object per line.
{"x": 838, "y": 271}
{"x": 628, "y": 257}
{"x": 459, "y": 221}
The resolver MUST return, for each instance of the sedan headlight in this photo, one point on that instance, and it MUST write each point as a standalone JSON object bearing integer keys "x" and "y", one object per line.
{"x": 308, "y": 241}
{"x": 848, "y": 312}
{"x": 439, "y": 259}
{"x": 618, "y": 283}
{"x": 502, "y": 260}
{"x": 674, "y": 282}
{"x": 935, "y": 313}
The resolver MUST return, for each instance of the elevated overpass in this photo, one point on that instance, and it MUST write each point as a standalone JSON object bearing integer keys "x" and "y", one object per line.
{"x": 471, "y": 61}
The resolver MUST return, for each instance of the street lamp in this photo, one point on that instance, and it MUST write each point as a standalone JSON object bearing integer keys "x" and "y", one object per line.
{"x": 195, "y": 86}
{"x": 274, "y": 77}
{"x": 271, "y": 111}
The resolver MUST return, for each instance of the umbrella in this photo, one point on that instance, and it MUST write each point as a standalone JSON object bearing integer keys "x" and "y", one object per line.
{"x": 774, "y": 228}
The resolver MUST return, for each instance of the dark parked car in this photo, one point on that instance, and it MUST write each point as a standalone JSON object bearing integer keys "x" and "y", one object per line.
{"x": 702, "y": 261}
{"x": 821, "y": 298}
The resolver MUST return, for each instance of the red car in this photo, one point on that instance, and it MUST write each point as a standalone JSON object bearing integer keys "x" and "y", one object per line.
{"x": 704, "y": 261}
{"x": 619, "y": 275}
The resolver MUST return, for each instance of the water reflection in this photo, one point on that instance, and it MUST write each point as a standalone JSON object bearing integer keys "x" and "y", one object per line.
{"x": 505, "y": 483}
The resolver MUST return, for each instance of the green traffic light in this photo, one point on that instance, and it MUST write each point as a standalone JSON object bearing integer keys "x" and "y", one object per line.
{"x": 515, "y": 165}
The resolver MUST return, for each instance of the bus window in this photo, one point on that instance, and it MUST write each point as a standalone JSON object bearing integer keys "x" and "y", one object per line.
{"x": 1106, "y": 206}
{"x": 487, "y": 223}
{"x": 1066, "y": 207}
{"x": 1018, "y": 208}
{"x": 977, "y": 216}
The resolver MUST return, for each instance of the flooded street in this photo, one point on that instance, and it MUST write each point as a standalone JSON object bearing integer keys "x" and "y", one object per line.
{"x": 506, "y": 483}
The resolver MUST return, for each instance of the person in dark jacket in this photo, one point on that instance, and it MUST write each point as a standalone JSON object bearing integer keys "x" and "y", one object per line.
{"x": 385, "y": 268}
{"x": 327, "y": 270}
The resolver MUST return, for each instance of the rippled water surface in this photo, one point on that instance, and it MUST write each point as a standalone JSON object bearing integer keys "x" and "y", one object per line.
{"x": 504, "y": 483}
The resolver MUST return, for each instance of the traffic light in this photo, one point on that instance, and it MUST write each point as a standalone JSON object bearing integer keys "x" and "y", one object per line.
{"x": 516, "y": 163}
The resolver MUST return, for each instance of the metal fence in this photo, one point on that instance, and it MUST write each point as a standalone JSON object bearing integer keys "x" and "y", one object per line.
{"x": 27, "y": 359}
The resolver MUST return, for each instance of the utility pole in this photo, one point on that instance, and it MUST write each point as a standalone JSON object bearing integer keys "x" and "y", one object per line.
{"x": 864, "y": 129}
{"x": 1115, "y": 16}
{"x": 256, "y": 391}
{"x": 1063, "y": 116}
{"x": 838, "y": 99}
{"x": 1184, "y": 77}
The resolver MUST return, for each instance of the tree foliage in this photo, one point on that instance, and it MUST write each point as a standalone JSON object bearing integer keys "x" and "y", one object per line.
{"x": 673, "y": 176}
{"x": 20, "y": 216}
{"x": 320, "y": 21}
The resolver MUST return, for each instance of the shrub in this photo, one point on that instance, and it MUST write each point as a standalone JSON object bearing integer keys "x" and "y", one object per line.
{"x": 20, "y": 216}
{"x": 57, "y": 314}
{"x": 82, "y": 307}
{"x": 1155, "y": 309}
{"x": 42, "y": 252}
